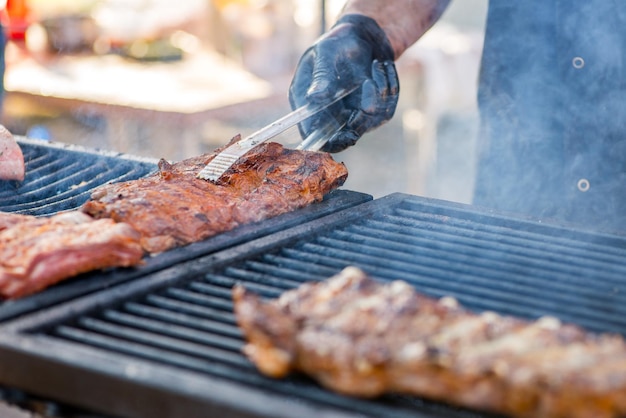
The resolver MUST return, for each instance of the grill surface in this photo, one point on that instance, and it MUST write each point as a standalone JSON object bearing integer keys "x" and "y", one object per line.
{"x": 168, "y": 345}
{"x": 61, "y": 177}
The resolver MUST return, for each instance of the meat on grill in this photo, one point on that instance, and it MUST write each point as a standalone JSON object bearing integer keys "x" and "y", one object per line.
{"x": 364, "y": 338}
{"x": 38, "y": 252}
{"x": 173, "y": 207}
{"x": 11, "y": 157}
{"x": 8, "y": 219}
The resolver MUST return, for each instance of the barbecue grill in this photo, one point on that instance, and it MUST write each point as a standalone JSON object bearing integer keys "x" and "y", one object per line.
{"x": 166, "y": 344}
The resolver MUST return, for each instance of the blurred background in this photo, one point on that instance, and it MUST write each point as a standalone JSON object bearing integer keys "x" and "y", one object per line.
{"x": 157, "y": 78}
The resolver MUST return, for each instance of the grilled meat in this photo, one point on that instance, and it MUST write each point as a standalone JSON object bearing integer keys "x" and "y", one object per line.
{"x": 173, "y": 207}
{"x": 11, "y": 157}
{"x": 9, "y": 219}
{"x": 38, "y": 252}
{"x": 364, "y": 338}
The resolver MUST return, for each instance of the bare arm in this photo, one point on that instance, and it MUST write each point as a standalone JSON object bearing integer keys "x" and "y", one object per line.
{"x": 404, "y": 21}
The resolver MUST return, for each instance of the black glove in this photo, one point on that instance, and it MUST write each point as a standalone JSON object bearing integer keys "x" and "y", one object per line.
{"x": 354, "y": 52}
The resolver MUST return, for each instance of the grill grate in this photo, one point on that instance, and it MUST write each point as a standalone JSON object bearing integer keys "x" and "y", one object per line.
{"x": 176, "y": 332}
{"x": 62, "y": 177}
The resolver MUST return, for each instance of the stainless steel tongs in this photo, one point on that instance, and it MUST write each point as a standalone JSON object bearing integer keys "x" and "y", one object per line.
{"x": 225, "y": 159}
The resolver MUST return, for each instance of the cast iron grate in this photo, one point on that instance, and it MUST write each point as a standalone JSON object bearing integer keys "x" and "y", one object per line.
{"x": 176, "y": 333}
{"x": 62, "y": 177}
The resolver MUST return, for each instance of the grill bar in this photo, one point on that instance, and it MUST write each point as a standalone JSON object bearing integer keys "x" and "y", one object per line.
{"x": 179, "y": 320}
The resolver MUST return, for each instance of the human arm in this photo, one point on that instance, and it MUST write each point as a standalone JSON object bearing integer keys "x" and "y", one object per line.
{"x": 360, "y": 50}
{"x": 403, "y": 21}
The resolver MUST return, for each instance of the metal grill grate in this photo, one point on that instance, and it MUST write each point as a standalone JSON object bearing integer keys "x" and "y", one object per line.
{"x": 61, "y": 177}
{"x": 176, "y": 332}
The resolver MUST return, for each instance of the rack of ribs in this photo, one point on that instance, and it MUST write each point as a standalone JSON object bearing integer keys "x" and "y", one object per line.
{"x": 173, "y": 208}
{"x": 364, "y": 338}
{"x": 38, "y": 252}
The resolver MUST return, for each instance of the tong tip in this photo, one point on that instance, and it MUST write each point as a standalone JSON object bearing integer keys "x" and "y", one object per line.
{"x": 217, "y": 167}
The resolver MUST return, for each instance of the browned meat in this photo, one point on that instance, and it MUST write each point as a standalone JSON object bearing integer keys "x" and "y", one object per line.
{"x": 11, "y": 157}
{"x": 9, "y": 219}
{"x": 173, "y": 207}
{"x": 364, "y": 338}
{"x": 38, "y": 252}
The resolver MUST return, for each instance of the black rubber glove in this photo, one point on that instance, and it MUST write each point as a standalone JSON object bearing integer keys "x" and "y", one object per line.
{"x": 354, "y": 52}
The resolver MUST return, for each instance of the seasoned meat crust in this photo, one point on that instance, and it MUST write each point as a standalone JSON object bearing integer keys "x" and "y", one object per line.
{"x": 364, "y": 338}
{"x": 173, "y": 207}
{"x": 9, "y": 219}
{"x": 38, "y": 252}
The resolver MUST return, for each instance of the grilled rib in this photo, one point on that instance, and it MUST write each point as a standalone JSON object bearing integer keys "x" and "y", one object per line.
{"x": 9, "y": 219}
{"x": 173, "y": 207}
{"x": 364, "y": 338}
{"x": 38, "y": 252}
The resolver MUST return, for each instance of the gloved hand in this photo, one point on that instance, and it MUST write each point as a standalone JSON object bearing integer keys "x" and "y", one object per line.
{"x": 354, "y": 52}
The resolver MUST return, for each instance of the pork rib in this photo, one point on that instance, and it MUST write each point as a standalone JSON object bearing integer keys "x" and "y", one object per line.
{"x": 38, "y": 252}
{"x": 364, "y": 338}
{"x": 173, "y": 207}
{"x": 11, "y": 157}
{"x": 8, "y": 219}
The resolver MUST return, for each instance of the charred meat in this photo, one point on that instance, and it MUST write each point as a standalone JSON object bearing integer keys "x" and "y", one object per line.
{"x": 364, "y": 338}
{"x": 173, "y": 208}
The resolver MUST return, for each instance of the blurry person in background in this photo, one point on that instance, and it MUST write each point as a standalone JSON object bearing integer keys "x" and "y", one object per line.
{"x": 552, "y": 98}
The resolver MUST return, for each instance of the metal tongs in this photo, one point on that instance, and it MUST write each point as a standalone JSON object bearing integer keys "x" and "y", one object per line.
{"x": 225, "y": 159}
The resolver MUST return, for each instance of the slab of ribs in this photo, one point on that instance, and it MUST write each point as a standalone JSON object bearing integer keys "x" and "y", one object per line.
{"x": 361, "y": 337}
{"x": 173, "y": 207}
{"x": 38, "y": 252}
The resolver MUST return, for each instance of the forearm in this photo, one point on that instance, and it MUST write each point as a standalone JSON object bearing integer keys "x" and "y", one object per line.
{"x": 403, "y": 21}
